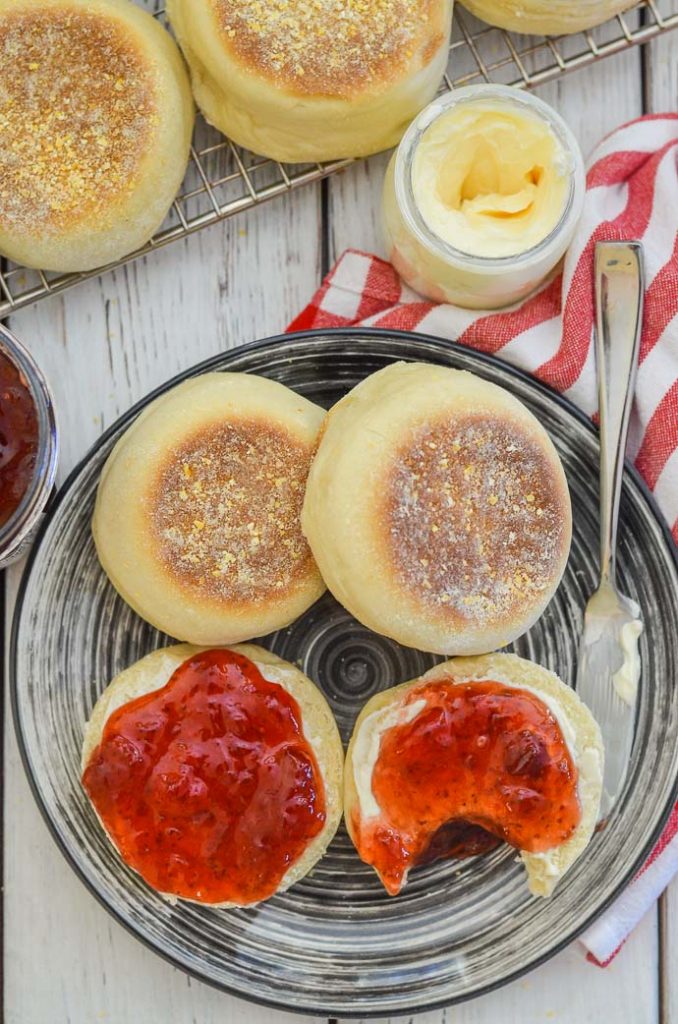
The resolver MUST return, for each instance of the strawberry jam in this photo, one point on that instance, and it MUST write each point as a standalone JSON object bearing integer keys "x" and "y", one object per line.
{"x": 480, "y": 763}
{"x": 208, "y": 786}
{"x": 18, "y": 438}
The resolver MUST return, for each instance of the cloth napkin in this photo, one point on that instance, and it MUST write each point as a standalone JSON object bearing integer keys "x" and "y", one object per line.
{"x": 632, "y": 193}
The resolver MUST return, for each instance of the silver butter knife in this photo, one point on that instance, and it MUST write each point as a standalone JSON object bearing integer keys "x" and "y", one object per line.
{"x": 608, "y": 666}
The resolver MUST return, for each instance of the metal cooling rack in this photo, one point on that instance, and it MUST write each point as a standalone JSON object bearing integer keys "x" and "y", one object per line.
{"x": 223, "y": 179}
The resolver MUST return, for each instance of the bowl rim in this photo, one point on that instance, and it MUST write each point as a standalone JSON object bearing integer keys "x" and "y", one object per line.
{"x": 205, "y": 366}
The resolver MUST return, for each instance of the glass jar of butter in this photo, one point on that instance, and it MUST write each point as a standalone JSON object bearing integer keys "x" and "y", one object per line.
{"x": 482, "y": 197}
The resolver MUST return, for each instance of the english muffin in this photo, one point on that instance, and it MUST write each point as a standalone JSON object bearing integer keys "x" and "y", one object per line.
{"x": 314, "y": 81}
{"x": 437, "y": 509}
{"x": 197, "y": 517}
{"x": 476, "y": 751}
{"x": 215, "y": 773}
{"x": 96, "y": 116}
{"x": 546, "y": 17}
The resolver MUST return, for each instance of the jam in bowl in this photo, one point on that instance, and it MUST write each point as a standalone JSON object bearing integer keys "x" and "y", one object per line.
{"x": 28, "y": 447}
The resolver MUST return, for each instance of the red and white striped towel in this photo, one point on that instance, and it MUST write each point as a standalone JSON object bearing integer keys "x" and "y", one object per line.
{"x": 632, "y": 193}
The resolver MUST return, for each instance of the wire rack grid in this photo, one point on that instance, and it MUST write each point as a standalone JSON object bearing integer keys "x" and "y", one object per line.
{"x": 223, "y": 179}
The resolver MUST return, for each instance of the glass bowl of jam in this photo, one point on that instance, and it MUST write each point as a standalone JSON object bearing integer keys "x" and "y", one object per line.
{"x": 28, "y": 447}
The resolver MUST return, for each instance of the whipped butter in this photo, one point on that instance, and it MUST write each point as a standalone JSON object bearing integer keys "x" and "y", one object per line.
{"x": 490, "y": 182}
{"x": 600, "y": 614}
{"x": 366, "y": 750}
{"x": 625, "y": 680}
{"x": 482, "y": 197}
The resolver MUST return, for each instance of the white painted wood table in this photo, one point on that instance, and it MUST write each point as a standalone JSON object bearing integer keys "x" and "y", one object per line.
{"x": 106, "y": 344}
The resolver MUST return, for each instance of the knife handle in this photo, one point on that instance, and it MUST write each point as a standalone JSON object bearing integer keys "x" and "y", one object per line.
{"x": 619, "y": 288}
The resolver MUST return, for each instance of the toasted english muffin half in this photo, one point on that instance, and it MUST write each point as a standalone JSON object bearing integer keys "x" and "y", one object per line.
{"x": 303, "y": 82}
{"x": 96, "y": 116}
{"x": 152, "y": 672}
{"x": 437, "y": 509}
{"x": 546, "y": 17}
{"x": 579, "y": 730}
{"x": 197, "y": 517}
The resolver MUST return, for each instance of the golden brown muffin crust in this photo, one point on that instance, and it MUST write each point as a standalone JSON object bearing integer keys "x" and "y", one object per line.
{"x": 77, "y": 106}
{"x": 225, "y": 509}
{"x": 333, "y": 48}
{"x": 475, "y": 519}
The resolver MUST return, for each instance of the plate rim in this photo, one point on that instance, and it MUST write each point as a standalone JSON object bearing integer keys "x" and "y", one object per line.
{"x": 204, "y": 366}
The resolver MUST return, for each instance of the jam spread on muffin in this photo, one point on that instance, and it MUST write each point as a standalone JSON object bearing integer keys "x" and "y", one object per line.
{"x": 479, "y": 762}
{"x": 208, "y": 786}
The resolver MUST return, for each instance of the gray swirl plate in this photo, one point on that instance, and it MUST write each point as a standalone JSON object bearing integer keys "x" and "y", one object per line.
{"x": 335, "y": 944}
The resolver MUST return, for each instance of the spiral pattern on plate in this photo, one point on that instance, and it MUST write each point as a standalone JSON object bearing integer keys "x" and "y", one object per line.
{"x": 336, "y": 944}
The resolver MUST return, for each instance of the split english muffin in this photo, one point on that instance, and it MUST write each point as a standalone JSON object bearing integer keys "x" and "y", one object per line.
{"x": 301, "y": 81}
{"x": 197, "y": 517}
{"x": 96, "y": 116}
{"x": 476, "y": 751}
{"x": 437, "y": 509}
{"x": 216, "y": 774}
